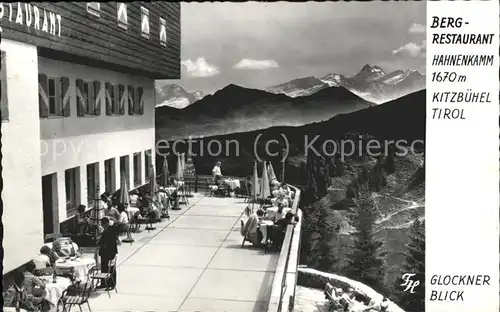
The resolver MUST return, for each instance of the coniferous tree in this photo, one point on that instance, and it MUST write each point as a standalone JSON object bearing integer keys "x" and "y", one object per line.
{"x": 339, "y": 166}
{"x": 414, "y": 264}
{"x": 365, "y": 260}
{"x": 323, "y": 245}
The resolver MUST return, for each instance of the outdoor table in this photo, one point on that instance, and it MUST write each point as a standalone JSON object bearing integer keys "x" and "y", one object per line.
{"x": 12, "y": 309}
{"x": 80, "y": 265}
{"x": 233, "y": 184}
{"x": 263, "y": 229}
{"x": 131, "y": 211}
{"x": 272, "y": 211}
{"x": 54, "y": 291}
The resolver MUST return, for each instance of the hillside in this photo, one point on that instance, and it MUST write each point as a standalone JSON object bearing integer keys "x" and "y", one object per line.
{"x": 237, "y": 109}
{"x": 401, "y": 119}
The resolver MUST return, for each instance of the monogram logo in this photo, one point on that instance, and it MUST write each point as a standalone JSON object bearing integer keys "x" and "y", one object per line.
{"x": 409, "y": 283}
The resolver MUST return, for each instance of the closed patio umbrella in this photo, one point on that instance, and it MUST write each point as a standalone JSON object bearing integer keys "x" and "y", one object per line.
{"x": 153, "y": 188}
{"x": 255, "y": 182}
{"x": 165, "y": 171}
{"x": 270, "y": 170}
{"x": 179, "y": 168}
{"x": 124, "y": 197}
{"x": 265, "y": 190}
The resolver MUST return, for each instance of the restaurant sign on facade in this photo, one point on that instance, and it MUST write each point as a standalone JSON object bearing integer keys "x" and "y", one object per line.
{"x": 32, "y": 17}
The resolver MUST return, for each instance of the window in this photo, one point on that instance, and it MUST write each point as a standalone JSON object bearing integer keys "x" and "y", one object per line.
{"x": 112, "y": 104}
{"x": 135, "y": 100}
{"x": 72, "y": 181}
{"x": 147, "y": 163}
{"x": 144, "y": 22}
{"x": 3, "y": 89}
{"x": 94, "y": 8}
{"x": 92, "y": 183}
{"x": 109, "y": 175}
{"x": 124, "y": 168}
{"x": 54, "y": 99}
{"x": 137, "y": 169}
{"x": 86, "y": 98}
{"x": 121, "y": 15}
{"x": 54, "y": 108}
{"x": 163, "y": 32}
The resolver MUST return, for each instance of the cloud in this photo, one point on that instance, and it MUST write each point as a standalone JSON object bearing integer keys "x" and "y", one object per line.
{"x": 416, "y": 29}
{"x": 412, "y": 49}
{"x": 200, "y": 68}
{"x": 256, "y": 64}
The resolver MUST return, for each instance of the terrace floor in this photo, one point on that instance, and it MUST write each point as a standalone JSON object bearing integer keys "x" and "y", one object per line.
{"x": 194, "y": 262}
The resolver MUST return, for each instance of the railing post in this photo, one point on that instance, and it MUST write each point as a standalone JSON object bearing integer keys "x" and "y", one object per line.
{"x": 196, "y": 184}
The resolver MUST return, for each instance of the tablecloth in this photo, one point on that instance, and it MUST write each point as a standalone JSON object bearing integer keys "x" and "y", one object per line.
{"x": 81, "y": 266}
{"x": 53, "y": 290}
{"x": 131, "y": 211}
{"x": 233, "y": 184}
{"x": 272, "y": 211}
{"x": 263, "y": 229}
{"x": 11, "y": 309}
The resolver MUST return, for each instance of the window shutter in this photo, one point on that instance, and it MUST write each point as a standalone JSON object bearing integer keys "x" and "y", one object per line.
{"x": 91, "y": 98}
{"x": 123, "y": 98}
{"x": 97, "y": 97}
{"x": 109, "y": 102}
{"x": 130, "y": 100}
{"x": 80, "y": 98}
{"x": 43, "y": 99}
{"x": 65, "y": 94}
{"x": 116, "y": 100}
{"x": 141, "y": 100}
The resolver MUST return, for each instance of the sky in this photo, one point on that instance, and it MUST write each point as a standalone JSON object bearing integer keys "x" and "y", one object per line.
{"x": 258, "y": 45}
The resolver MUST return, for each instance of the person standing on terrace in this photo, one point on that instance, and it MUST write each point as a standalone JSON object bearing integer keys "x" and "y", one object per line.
{"x": 216, "y": 172}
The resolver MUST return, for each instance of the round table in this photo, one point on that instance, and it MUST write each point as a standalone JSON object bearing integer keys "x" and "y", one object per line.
{"x": 233, "y": 184}
{"x": 131, "y": 211}
{"x": 54, "y": 291}
{"x": 81, "y": 266}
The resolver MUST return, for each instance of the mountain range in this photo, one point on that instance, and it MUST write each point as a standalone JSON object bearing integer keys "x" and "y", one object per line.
{"x": 371, "y": 83}
{"x": 174, "y": 95}
{"x": 237, "y": 109}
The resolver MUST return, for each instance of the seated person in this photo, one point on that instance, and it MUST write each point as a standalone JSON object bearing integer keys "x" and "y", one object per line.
{"x": 81, "y": 220}
{"x": 106, "y": 198}
{"x": 113, "y": 214}
{"x": 33, "y": 285}
{"x": 279, "y": 214}
{"x": 123, "y": 222}
{"x": 134, "y": 197}
{"x": 277, "y": 231}
{"x": 63, "y": 247}
{"x": 49, "y": 253}
{"x": 17, "y": 296}
{"x": 251, "y": 229}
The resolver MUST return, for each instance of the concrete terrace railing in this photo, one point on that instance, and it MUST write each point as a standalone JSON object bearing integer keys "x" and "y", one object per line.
{"x": 285, "y": 279}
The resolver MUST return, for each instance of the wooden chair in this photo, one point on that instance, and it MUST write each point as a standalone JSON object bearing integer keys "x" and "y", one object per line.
{"x": 183, "y": 198}
{"x": 210, "y": 188}
{"x": 77, "y": 296}
{"x": 100, "y": 276}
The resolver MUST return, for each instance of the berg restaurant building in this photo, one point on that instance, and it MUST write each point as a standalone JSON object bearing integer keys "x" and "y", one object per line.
{"x": 77, "y": 105}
